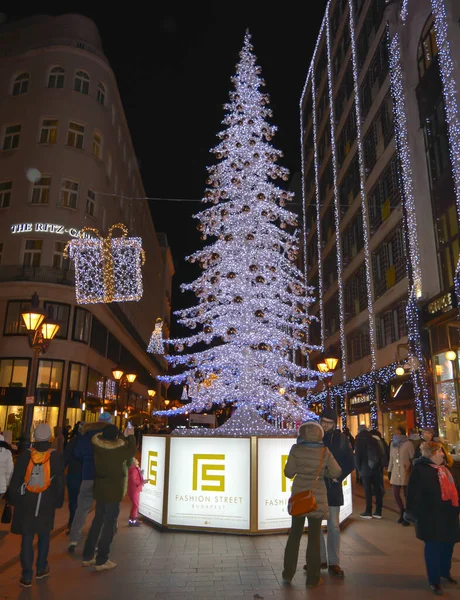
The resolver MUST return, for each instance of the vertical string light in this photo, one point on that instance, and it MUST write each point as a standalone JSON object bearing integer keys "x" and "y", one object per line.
{"x": 404, "y": 10}
{"x": 450, "y": 93}
{"x": 338, "y": 240}
{"x": 318, "y": 206}
{"x": 362, "y": 172}
{"x": 426, "y": 413}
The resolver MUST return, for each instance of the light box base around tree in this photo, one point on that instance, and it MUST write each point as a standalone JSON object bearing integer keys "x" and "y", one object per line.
{"x": 227, "y": 485}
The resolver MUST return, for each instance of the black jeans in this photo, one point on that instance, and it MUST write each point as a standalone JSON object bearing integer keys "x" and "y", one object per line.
{"x": 438, "y": 560}
{"x": 373, "y": 487}
{"x": 102, "y": 531}
{"x": 27, "y": 554}
{"x": 291, "y": 553}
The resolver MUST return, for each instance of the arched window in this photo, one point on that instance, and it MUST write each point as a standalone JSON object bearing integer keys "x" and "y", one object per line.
{"x": 56, "y": 78}
{"x": 427, "y": 48}
{"x": 81, "y": 82}
{"x": 101, "y": 94}
{"x": 21, "y": 83}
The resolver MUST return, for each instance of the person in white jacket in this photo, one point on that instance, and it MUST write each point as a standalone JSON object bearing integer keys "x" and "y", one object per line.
{"x": 401, "y": 455}
{"x": 6, "y": 465}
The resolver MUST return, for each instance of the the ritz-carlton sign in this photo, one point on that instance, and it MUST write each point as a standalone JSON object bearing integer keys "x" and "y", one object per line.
{"x": 46, "y": 228}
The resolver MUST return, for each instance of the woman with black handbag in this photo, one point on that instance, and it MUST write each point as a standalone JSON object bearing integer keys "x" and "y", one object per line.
{"x": 309, "y": 462}
{"x": 433, "y": 506}
{"x": 6, "y": 471}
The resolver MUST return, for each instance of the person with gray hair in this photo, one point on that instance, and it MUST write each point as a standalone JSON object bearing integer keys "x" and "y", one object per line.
{"x": 36, "y": 491}
{"x": 433, "y": 506}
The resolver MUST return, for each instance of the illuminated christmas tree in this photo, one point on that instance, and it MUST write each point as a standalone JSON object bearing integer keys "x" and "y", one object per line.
{"x": 253, "y": 304}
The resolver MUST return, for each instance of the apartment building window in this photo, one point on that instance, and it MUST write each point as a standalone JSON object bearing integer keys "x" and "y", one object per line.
{"x": 331, "y": 316}
{"x": 321, "y": 67}
{"x": 437, "y": 142}
{"x": 326, "y": 182}
{"x": 97, "y": 145}
{"x": 375, "y": 76}
{"x": 344, "y": 92}
{"x": 32, "y": 253}
{"x": 76, "y": 135}
{"x": 312, "y": 252}
{"x": 350, "y": 186}
{"x": 48, "y": 131}
{"x": 50, "y": 374}
{"x": 5, "y": 193}
{"x": 99, "y": 336}
{"x": 13, "y": 372}
{"x": 69, "y": 193}
{"x": 341, "y": 51}
{"x": 81, "y": 325}
{"x": 391, "y": 324}
{"x": 323, "y": 105}
{"x": 21, "y": 84}
{"x": 41, "y": 190}
{"x": 369, "y": 29}
{"x": 91, "y": 203}
{"x": 353, "y": 239}
{"x": 56, "y": 78}
{"x": 101, "y": 94}
{"x": 355, "y": 294}
{"x": 384, "y": 196}
{"x": 379, "y": 135}
{"x": 346, "y": 138}
{"x": 59, "y": 262}
{"x": 11, "y": 137}
{"x": 329, "y": 271}
{"x": 358, "y": 344}
{"x": 328, "y": 225}
{"x": 447, "y": 244}
{"x": 81, "y": 82}
{"x": 14, "y": 324}
{"x": 388, "y": 262}
{"x": 59, "y": 312}
{"x": 315, "y": 332}
{"x": 309, "y": 181}
{"x": 428, "y": 48}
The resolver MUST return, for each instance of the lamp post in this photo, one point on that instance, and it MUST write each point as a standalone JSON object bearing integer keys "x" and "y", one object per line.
{"x": 328, "y": 364}
{"x": 41, "y": 331}
{"x": 123, "y": 380}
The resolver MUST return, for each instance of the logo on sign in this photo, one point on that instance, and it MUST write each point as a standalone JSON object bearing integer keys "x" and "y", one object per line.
{"x": 152, "y": 465}
{"x": 204, "y": 473}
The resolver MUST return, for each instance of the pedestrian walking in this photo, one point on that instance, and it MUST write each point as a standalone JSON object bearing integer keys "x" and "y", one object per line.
{"x": 351, "y": 439}
{"x": 6, "y": 465}
{"x": 340, "y": 448}
{"x": 369, "y": 463}
{"x": 433, "y": 506}
{"x": 36, "y": 490}
{"x": 415, "y": 440}
{"x": 428, "y": 435}
{"x": 73, "y": 476}
{"x": 84, "y": 452}
{"x": 136, "y": 482}
{"x": 111, "y": 453}
{"x": 401, "y": 455}
{"x": 309, "y": 462}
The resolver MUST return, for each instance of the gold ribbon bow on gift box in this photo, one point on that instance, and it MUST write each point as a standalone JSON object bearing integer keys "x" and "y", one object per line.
{"x": 107, "y": 256}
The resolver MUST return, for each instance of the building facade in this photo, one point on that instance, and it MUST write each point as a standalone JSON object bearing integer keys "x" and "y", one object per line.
{"x": 374, "y": 247}
{"x": 67, "y": 162}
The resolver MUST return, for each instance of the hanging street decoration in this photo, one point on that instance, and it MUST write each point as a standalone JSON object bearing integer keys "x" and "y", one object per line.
{"x": 156, "y": 340}
{"x": 252, "y": 304}
{"x": 106, "y": 269}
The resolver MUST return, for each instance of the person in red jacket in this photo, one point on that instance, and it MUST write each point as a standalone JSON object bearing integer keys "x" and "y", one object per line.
{"x": 135, "y": 484}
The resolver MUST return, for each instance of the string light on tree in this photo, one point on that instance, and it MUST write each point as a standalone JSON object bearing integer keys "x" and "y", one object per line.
{"x": 156, "y": 339}
{"x": 252, "y": 302}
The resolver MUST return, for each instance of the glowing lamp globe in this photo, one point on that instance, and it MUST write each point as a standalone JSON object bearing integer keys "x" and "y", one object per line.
{"x": 451, "y": 355}
{"x": 331, "y": 362}
{"x": 151, "y": 393}
{"x": 117, "y": 374}
{"x": 50, "y": 329}
{"x": 400, "y": 371}
{"x": 33, "y": 319}
{"x": 322, "y": 367}
{"x": 131, "y": 377}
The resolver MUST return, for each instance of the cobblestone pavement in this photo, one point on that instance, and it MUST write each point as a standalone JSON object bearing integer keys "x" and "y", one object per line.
{"x": 381, "y": 559}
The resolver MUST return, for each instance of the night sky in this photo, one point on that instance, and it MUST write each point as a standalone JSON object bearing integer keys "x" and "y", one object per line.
{"x": 173, "y": 66}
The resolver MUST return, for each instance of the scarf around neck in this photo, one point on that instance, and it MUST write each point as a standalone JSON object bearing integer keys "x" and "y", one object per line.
{"x": 447, "y": 484}
{"x": 300, "y": 440}
{"x": 398, "y": 440}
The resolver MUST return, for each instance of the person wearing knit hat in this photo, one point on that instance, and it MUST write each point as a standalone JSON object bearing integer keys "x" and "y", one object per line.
{"x": 309, "y": 462}
{"x": 35, "y": 502}
{"x": 84, "y": 453}
{"x": 340, "y": 448}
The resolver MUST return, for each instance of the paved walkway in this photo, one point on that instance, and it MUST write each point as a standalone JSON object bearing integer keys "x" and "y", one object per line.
{"x": 381, "y": 558}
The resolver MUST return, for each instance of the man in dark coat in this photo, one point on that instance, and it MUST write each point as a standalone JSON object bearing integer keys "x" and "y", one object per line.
{"x": 33, "y": 511}
{"x": 339, "y": 445}
{"x": 112, "y": 453}
{"x": 84, "y": 453}
{"x": 433, "y": 504}
{"x": 73, "y": 477}
{"x": 369, "y": 461}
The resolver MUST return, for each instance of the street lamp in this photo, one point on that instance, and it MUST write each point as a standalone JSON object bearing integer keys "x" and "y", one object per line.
{"x": 41, "y": 331}
{"x": 328, "y": 364}
{"x": 123, "y": 380}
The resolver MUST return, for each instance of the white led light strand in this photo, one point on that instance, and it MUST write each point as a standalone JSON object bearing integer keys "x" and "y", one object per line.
{"x": 450, "y": 93}
{"x": 318, "y": 207}
{"x": 156, "y": 339}
{"x": 425, "y": 409}
{"x": 338, "y": 240}
{"x": 362, "y": 172}
{"x": 405, "y": 10}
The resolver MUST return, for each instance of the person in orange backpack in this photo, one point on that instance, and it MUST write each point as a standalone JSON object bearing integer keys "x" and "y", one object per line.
{"x": 36, "y": 490}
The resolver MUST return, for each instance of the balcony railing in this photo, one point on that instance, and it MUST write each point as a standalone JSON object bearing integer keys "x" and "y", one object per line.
{"x": 42, "y": 274}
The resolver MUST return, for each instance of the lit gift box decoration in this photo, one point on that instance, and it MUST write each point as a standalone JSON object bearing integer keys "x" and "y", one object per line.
{"x": 107, "y": 269}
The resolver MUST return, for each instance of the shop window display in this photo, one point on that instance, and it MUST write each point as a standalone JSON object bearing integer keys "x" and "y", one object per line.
{"x": 447, "y": 375}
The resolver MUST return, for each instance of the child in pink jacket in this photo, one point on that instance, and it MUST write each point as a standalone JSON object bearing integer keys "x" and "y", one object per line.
{"x": 135, "y": 484}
